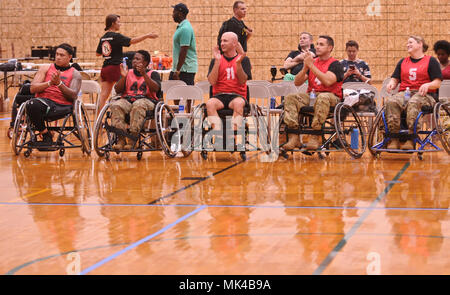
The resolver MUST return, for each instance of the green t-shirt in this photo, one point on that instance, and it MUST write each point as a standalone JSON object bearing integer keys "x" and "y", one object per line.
{"x": 184, "y": 36}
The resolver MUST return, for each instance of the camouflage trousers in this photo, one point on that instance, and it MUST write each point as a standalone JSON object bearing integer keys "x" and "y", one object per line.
{"x": 294, "y": 102}
{"x": 395, "y": 105}
{"x": 137, "y": 110}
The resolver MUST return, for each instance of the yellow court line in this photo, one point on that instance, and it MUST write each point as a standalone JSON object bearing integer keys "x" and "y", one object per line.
{"x": 28, "y": 196}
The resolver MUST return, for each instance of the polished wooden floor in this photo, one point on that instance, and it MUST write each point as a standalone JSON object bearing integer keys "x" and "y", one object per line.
{"x": 81, "y": 214}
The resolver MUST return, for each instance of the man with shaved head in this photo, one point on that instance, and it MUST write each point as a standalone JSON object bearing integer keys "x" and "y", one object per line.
{"x": 228, "y": 75}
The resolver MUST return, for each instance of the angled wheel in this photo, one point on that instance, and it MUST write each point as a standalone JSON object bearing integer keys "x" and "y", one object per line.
{"x": 103, "y": 140}
{"x": 197, "y": 120}
{"x": 21, "y": 132}
{"x": 83, "y": 127}
{"x": 168, "y": 128}
{"x": 441, "y": 117}
{"x": 376, "y": 134}
{"x": 349, "y": 130}
{"x": 10, "y": 132}
{"x": 263, "y": 131}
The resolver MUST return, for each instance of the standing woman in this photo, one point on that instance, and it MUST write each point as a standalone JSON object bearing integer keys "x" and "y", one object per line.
{"x": 110, "y": 47}
{"x": 442, "y": 50}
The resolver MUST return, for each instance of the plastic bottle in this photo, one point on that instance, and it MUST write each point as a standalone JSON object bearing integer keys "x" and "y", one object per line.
{"x": 181, "y": 106}
{"x": 312, "y": 94}
{"x": 160, "y": 64}
{"x": 272, "y": 102}
{"x": 124, "y": 62}
{"x": 354, "y": 139}
{"x": 407, "y": 95}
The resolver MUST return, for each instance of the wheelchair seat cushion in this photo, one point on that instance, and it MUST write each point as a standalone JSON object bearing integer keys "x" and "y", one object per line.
{"x": 310, "y": 110}
{"x": 61, "y": 112}
{"x": 149, "y": 115}
{"x": 229, "y": 112}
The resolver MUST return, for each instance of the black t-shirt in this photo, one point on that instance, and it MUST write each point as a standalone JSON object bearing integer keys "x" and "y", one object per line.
{"x": 434, "y": 69}
{"x": 246, "y": 66}
{"x": 236, "y": 26}
{"x": 296, "y": 69}
{"x": 110, "y": 46}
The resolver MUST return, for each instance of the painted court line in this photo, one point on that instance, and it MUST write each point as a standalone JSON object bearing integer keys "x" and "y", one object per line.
{"x": 327, "y": 261}
{"x": 199, "y": 181}
{"x": 147, "y": 238}
{"x": 14, "y": 201}
{"x": 225, "y": 206}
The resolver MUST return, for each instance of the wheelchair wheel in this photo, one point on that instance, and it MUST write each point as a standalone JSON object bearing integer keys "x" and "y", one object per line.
{"x": 10, "y": 132}
{"x": 167, "y": 127}
{"x": 196, "y": 121}
{"x": 21, "y": 132}
{"x": 83, "y": 127}
{"x": 376, "y": 134}
{"x": 349, "y": 130}
{"x": 263, "y": 132}
{"x": 103, "y": 140}
{"x": 441, "y": 117}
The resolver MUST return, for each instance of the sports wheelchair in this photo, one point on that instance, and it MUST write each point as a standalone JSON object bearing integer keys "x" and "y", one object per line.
{"x": 423, "y": 140}
{"x": 341, "y": 131}
{"x": 155, "y": 133}
{"x": 253, "y": 133}
{"x": 74, "y": 132}
{"x": 21, "y": 96}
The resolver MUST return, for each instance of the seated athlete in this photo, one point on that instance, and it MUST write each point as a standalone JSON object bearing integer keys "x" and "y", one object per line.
{"x": 138, "y": 88}
{"x": 422, "y": 75}
{"x": 228, "y": 75}
{"x": 56, "y": 87}
{"x": 324, "y": 75}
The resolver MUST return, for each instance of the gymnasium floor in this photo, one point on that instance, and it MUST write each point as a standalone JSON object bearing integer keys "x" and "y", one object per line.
{"x": 80, "y": 214}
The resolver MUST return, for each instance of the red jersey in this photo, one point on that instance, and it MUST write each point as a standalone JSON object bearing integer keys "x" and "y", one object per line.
{"x": 228, "y": 81}
{"x": 446, "y": 73}
{"x": 414, "y": 75}
{"x": 136, "y": 86}
{"x": 53, "y": 92}
{"x": 314, "y": 82}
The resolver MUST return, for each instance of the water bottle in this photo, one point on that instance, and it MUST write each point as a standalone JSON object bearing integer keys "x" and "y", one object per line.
{"x": 407, "y": 95}
{"x": 160, "y": 64}
{"x": 312, "y": 94}
{"x": 272, "y": 103}
{"x": 124, "y": 62}
{"x": 354, "y": 139}
{"x": 181, "y": 106}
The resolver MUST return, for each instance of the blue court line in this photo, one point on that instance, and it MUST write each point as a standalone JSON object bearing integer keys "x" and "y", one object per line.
{"x": 26, "y": 264}
{"x": 134, "y": 245}
{"x": 357, "y": 224}
{"x": 227, "y": 206}
{"x": 5, "y": 119}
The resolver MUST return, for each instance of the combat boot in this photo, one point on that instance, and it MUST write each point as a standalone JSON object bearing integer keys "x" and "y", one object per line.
{"x": 393, "y": 144}
{"x": 314, "y": 142}
{"x": 293, "y": 142}
{"x": 121, "y": 142}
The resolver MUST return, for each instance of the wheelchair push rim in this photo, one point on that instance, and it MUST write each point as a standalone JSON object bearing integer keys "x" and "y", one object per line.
{"x": 83, "y": 128}
{"x": 100, "y": 131}
{"x": 21, "y": 132}
{"x": 167, "y": 128}
{"x": 441, "y": 117}
{"x": 350, "y": 132}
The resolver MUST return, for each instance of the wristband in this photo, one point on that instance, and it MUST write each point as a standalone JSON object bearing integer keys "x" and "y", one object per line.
{"x": 60, "y": 82}
{"x": 48, "y": 83}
